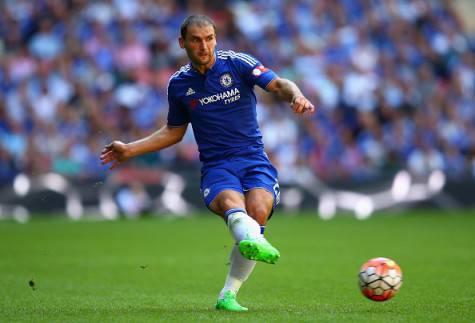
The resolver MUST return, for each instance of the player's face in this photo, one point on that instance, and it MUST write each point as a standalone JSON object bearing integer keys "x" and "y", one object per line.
{"x": 199, "y": 44}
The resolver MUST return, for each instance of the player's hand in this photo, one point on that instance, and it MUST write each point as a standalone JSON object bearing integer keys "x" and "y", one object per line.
{"x": 115, "y": 153}
{"x": 300, "y": 105}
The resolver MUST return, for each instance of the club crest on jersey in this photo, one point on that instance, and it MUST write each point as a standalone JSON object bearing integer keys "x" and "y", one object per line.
{"x": 226, "y": 80}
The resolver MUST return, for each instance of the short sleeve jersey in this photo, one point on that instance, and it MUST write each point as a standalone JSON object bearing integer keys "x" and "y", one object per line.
{"x": 220, "y": 104}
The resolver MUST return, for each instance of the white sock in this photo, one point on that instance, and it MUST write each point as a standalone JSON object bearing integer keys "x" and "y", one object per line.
{"x": 239, "y": 270}
{"x": 242, "y": 226}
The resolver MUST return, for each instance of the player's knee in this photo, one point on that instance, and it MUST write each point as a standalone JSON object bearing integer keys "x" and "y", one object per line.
{"x": 259, "y": 213}
{"x": 229, "y": 203}
{"x": 226, "y": 201}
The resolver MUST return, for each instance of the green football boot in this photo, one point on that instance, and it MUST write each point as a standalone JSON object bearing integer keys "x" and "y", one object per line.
{"x": 229, "y": 303}
{"x": 260, "y": 250}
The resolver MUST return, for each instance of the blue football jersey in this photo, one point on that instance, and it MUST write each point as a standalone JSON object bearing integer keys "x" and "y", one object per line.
{"x": 220, "y": 104}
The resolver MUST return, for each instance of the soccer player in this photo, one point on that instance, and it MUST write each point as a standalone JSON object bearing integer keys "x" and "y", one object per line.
{"x": 214, "y": 92}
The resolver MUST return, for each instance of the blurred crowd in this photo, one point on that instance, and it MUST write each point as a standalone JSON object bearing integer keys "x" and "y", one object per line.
{"x": 394, "y": 82}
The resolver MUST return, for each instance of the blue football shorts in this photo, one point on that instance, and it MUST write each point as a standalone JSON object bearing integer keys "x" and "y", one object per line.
{"x": 240, "y": 174}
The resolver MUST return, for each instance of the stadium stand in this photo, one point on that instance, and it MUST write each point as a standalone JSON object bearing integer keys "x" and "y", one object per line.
{"x": 394, "y": 82}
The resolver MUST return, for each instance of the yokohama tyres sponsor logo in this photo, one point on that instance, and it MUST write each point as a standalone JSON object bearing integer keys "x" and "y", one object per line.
{"x": 228, "y": 96}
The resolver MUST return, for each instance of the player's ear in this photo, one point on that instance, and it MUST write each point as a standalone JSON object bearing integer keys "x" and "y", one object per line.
{"x": 181, "y": 41}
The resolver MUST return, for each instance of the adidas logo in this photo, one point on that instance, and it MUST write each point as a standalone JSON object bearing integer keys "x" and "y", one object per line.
{"x": 190, "y": 91}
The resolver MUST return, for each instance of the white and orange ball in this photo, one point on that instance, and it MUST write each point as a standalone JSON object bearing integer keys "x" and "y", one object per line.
{"x": 380, "y": 279}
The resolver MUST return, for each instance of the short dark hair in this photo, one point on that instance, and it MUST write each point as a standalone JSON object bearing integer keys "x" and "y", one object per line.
{"x": 199, "y": 20}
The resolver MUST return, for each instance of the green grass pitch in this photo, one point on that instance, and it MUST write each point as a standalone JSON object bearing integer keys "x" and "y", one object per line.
{"x": 172, "y": 270}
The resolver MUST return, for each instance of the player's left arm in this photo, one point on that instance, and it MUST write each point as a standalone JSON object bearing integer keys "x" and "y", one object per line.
{"x": 256, "y": 74}
{"x": 288, "y": 91}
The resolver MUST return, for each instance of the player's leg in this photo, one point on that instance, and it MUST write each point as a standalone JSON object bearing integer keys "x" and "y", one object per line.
{"x": 259, "y": 181}
{"x": 240, "y": 269}
{"x": 229, "y": 204}
{"x": 223, "y": 195}
{"x": 247, "y": 234}
{"x": 259, "y": 205}
{"x": 245, "y": 229}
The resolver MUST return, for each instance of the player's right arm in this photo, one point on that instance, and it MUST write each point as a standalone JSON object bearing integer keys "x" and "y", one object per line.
{"x": 118, "y": 152}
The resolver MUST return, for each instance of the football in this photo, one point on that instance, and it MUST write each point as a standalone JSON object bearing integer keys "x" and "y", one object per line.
{"x": 380, "y": 279}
